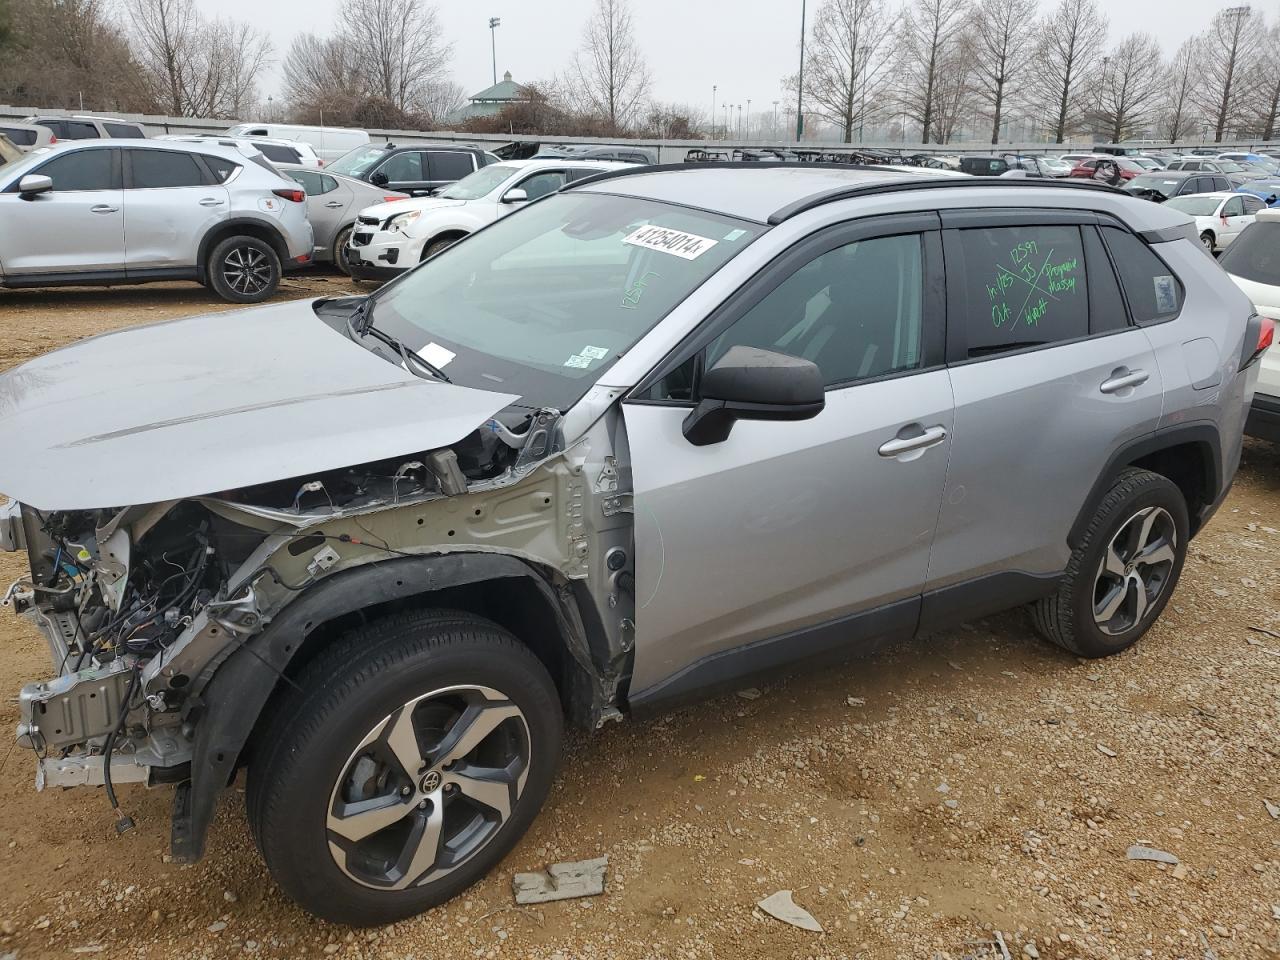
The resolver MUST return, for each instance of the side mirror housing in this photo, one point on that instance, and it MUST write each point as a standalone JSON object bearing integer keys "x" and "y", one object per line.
{"x": 379, "y": 179}
{"x": 33, "y": 184}
{"x": 748, "y": 383}
{"x": 515, "y": 195}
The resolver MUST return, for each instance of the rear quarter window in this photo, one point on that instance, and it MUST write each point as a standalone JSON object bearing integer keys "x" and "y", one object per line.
{"x": 20, "y": 136}
{"x": 1153, "y": 291}
{"x": 124, "y": 131}
{"x": 279, "y": 153}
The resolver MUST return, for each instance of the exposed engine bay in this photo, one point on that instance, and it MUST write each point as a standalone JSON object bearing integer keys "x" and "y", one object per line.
{"x": 141, "y": 605}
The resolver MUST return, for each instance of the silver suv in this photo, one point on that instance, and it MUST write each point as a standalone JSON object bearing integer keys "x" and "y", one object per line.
{"x": 644, "y": 438}
{"x": 205, "y": 212}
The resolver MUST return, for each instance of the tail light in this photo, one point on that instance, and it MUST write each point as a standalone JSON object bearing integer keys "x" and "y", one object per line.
{"x": 393, "y": 197}
{"x": 1258, "y": 336}
{"x": 295, "y": 196}
{"x": 52, "y": 140}
{"x": 319, "y": 162}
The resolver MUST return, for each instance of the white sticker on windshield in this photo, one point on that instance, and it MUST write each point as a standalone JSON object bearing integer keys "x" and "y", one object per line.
{"x": 436, "y": 355}
{"x": 734, "y": 234}
{"x": 1166, "y": 294}
{"x": 595, "y": 353}
{"x": 688, "y": 246}
{"x": 579, "y": 361}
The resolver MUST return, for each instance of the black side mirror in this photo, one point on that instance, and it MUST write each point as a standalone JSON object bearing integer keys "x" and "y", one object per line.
{"x": 748, "y": 383}
{"x": 379, "y": 179}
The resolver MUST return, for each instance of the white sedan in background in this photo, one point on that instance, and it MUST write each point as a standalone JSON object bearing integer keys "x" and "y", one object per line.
{"x": 390, "y": 238}
{"x": 1253, "y": 262}
{"x": 1220, "y": 217}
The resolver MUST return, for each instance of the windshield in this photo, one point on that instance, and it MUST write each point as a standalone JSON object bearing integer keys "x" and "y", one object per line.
{"x": 1262, "y": 186}
{"x": 1196, "y": 206}
{"x": 1255, "y": 254}
{"x": 1156, "y": 182}
{"x": 359, "y": 161}
{"x": 1229, "y": 166}
{"x": 543, "y": 301}
{"x": 476, "y": 185}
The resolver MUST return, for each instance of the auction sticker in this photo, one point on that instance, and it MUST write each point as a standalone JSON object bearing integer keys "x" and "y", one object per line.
{"x": 688, "y": 246}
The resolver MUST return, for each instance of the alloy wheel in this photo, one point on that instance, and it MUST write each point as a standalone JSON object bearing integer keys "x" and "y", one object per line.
{"x": 246, "y": 270}
{"x": 1134, "y": 570}
{"x": 428, "y": 787}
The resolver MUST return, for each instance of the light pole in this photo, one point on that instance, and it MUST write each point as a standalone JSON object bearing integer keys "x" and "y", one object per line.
{"x": 713, "y": 110}
{"x": 800, "y": 81}
{"x": 773, "y": 127}
{"x": 494, "y": 24}
{"x": 739, "y": 121}
{"x": 747, "y": 133}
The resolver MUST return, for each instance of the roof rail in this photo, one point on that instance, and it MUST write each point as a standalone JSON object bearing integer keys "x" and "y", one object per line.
{"x": 852, "y": 190}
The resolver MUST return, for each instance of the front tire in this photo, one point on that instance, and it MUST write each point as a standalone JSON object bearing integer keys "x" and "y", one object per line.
{"x": 437, "y": 246}
{"x": 418, "y": 751}
{"x": 243, "y": 270}
{"x": 1124, "y": 569}
{"x": 1209, "y": 242}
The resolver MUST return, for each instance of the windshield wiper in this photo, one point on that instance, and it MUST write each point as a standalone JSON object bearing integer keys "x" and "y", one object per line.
{"x": 360, "y": 324}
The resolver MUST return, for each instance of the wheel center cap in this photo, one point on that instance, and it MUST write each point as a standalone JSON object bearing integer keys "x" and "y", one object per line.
{"x": 1129, "y": 568}
{"x": 431, "y": 782}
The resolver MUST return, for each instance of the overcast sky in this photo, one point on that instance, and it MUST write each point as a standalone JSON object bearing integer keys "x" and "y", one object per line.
{"x": 744, "y": 47}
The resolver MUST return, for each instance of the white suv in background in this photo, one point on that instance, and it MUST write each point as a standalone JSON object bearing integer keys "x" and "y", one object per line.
{"x": 390, "y": 238}
{"x": 195, "y": 211}
{"x": 275, "y": 150}
{"x": 1253, "y": 262}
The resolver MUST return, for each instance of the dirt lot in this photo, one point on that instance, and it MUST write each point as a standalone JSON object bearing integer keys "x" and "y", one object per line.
{"x": 916, "y": 803}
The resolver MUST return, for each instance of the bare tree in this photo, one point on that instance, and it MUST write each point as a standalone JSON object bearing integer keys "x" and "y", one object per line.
{"x": 317, "y": 69}
{"x": 848, "y": 63}
{"x": 1269, "y": 84}
{"x": 928, "y": 27}
{"x": 1130, "y": 87}
{"x": 62, "y": 50}
{"x": 197, "y": 67}
{"x": 953, "y": 94}
{"x": 1181, "y": 76}
{"x": 609, "y": 69}
{"x": 1230, "y": 48}
{"x": 1066, "y": 59}
{"x": 438, "y": 100}
{"x": 1002, "y": 47}
{"x": 396, "y": 46}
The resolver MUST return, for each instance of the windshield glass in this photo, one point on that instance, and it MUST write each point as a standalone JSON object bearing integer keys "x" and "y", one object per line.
{"x": 358, "y": 161}
{"x": 542, "y": 302}
{"x": 1196, "y": 206}
{"x": 1229, "y": 166}
{"x": 1255, "y": 254}
{"x": 1156, "y": 182}
{"x": 475, "y": 185}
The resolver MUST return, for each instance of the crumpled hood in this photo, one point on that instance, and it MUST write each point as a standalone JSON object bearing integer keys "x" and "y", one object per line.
{"x": 425, "y": 204}
{"x": 213, "y": 403}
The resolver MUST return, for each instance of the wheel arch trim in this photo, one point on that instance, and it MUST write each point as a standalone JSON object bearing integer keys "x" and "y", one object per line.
{"x": 1203, "y": 434}
{"x": 231, "y": 703}
{"x": 228, "y": 228}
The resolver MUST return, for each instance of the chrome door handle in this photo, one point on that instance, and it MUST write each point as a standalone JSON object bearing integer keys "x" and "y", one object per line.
{"x": 1122, "y": 381}
{"x": 210, "y": 202}
{"x": 103, "y": 208}
{"x": 900, "y": 445}
{"x": 334, "y": 204}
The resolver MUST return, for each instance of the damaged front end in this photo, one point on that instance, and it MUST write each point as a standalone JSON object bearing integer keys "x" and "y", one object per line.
{"x": 143, "y": 606}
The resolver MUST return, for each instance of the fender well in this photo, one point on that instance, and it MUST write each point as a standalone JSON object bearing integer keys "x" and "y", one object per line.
{"x": 452, "y": 234}
{"x": 1188, "y": 454}
{"x": 241, "y": 226}
{"x": 232, "y": 705}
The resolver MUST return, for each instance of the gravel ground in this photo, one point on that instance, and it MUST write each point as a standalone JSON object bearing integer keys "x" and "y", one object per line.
{"x": 918, "y": 803}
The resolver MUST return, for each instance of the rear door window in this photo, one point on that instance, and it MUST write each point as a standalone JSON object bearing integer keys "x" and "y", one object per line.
{"x": 1023, "y": 287}
{"x": 449, "y": 164}
{"x": 156, "y": 169}
{"x": 1153, "y": 290}
{"x": 79, "y": 130}
{"x": 57, "y": 127}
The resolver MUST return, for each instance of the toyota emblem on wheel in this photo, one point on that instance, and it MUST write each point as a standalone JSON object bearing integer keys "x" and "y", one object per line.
{"x": 431, "y": 781}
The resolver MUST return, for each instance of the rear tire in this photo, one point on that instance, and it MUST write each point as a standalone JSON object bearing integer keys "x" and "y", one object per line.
{"x": 376, "y": 792}
{"x": 340, "y": 244}
{"x": 1210, "y": 243}
{"x": 1123, "y": 571}
{"x": 243, "y": 270}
